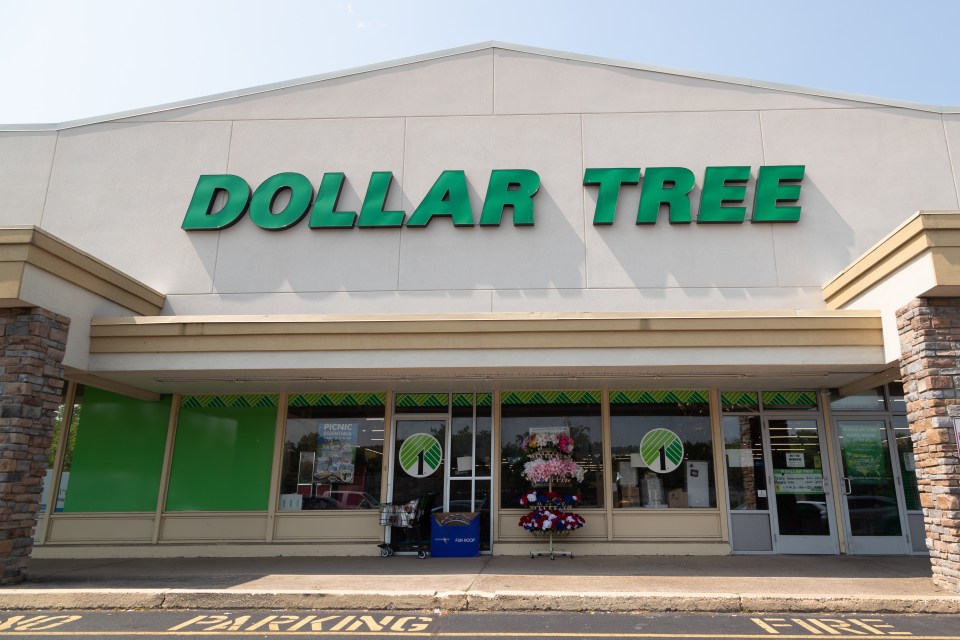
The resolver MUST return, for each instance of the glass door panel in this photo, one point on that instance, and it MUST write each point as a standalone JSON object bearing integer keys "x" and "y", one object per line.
{"x": 750, "y": 527}
{"x": 872, "y": 507}
{"x": 417, "y": 471}
{"x": 805, "y": 519}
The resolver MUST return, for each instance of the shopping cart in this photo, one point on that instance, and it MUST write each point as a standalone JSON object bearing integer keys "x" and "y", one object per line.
{"x": 406, "y": 515}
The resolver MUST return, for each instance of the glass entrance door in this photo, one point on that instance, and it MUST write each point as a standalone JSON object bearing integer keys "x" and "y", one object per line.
{"x": 805, "y": 520}
{"x": 873, "y": 507}
{"x": 417, "y": 472}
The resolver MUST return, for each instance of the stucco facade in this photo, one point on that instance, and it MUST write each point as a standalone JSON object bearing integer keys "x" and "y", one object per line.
{"x": 563, "y": 303}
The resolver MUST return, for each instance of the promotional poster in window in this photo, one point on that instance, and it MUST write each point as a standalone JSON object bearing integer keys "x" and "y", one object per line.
{"x": 336, "y": 442}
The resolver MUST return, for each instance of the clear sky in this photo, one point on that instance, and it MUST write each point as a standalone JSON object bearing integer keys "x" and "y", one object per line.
{"x": 63, "y": 60}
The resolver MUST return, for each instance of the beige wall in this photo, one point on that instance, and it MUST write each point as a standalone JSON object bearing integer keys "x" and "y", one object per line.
{"x": 119, "y": 190}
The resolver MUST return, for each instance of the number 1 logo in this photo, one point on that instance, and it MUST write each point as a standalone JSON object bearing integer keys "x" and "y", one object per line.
{"x": 420, "y": 455}
{"x": 661, "y": 450}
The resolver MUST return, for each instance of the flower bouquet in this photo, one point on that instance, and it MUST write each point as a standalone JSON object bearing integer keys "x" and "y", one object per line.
{"x": 548, "y": 500}
{"x": 552, "y": 470}
{"x": 550, "y": 462}
{"x": 551, "y": 521}
{"x": 547, "y": 445}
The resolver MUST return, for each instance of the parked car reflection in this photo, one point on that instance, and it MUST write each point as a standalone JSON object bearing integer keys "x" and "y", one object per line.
{"x": 353, "y": 499}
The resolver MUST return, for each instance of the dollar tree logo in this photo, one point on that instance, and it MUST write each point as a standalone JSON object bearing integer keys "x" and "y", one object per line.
{"x": 661, "y": 450}
{"x": 420, "y": 455}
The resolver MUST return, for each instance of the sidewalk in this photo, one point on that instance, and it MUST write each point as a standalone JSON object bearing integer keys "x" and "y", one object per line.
{"x": 809, "y": 584}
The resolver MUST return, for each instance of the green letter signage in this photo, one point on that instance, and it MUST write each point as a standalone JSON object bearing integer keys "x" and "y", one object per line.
{"x": 716, "y": 192}
{"x": 665, "y": 185}
{"x": 372, "y": 213}
{"x": 510, "y": 188}
{"x": 324, "y": 213}
{"x": 200, "y": 213}
{"x": 447, "y": 197}
{"x": 261, "y": 207}
{"x": 771, "y": 192}
{"x": 722, "y": 199}
{"x": 609, "y": 192}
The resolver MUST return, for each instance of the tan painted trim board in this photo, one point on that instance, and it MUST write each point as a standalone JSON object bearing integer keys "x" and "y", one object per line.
{"x": 20, "y": 246}
{"x": 516, "y": 331}
{"x": 926, "y": 233}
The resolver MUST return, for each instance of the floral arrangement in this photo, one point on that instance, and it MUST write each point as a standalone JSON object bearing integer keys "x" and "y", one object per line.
{"x": 538, "y": 443}
{"x": 544, "y": 470}
{"x": 551, "y": 521}
{"x": 548, "y": 499}
{"x": 550, "y": 461}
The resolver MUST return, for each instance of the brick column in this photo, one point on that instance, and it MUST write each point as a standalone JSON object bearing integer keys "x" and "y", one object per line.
{"x": 32, "y": 343}
{"x": 930, "y": 364}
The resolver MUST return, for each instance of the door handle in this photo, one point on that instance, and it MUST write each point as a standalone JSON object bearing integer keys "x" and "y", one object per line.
{"x": 848, "y": 486}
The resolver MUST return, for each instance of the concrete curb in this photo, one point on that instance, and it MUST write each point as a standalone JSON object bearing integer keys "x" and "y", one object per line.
{"x": 850, "y": 604}
{"x": 179, "y": 599}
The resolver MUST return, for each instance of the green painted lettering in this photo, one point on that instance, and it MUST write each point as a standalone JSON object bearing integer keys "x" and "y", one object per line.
{"x": 670, "y": 186}
{"x": 261, "y": 206}
{"x": 717, "y": 192}
{"x": 324, "y": 214}
{"x": 513, "y": 188}
{"x": 771, "y": 192}
{"x": 447, "y": 197}
{"x": 371, "y": 212}
{"x": 610, "y": 181}
{"x": 200, "y": 214}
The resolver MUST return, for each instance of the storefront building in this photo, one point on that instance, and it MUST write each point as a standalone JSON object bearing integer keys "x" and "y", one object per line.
{"x": 240, "y": 325}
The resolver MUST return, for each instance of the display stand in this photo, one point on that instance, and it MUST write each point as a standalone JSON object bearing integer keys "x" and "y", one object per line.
{"x": 550, "y": 550}
{"x": 550, "y": 462}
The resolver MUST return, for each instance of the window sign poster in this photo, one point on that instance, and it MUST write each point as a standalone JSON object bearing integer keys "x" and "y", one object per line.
{"x": 956, "y": 432}
{"x": 797, "y": 481}
{"x": 795, "y": 460}
{"x": 863, "y": 451}
{"x": 336, "y": 442}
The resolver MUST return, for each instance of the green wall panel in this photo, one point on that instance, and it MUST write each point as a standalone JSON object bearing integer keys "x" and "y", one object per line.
{"x": 119, "y": 453}
{"x": 222, "y": 459}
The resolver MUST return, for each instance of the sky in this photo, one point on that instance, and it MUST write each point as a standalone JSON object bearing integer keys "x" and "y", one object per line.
{"x": 63, "y": 60}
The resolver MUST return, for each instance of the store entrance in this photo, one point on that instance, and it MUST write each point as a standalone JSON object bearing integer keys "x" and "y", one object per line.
{"x": 874, "y": 514}
{"x": 804, "y": 519}
{"x": 416, "y": 473}
{"x": 441, "y": 452}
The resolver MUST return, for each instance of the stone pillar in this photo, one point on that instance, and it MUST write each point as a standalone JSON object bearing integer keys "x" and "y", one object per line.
{"x": 32, "y": 343}
{"x": 930, "y": 365}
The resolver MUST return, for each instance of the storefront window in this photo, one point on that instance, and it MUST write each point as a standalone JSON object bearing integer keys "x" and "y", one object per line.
{"x": 869, "y": 400}
{"x": 662, "y": 449}
{"x": 743, "y": 453}
{"x": 114, "y": 453}
{"x": 898, "y": 403}
{"x": 575, "y": 413}
{"x": 69, "y": 433}
{"x": 470, "y": 453}
{"x": 332, "y": 452}
{"x": 223, "y": 453}
{"x": 740, "y": 401}
{"x": 908, "y": 464}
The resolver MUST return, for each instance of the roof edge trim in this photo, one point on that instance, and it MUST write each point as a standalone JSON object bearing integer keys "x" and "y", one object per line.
{"x": 29, "y": 245}
{"x": 492, "y": 45}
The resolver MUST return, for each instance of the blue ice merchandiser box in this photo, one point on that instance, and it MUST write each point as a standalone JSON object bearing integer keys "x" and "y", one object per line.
{"x": 455, "y": 535}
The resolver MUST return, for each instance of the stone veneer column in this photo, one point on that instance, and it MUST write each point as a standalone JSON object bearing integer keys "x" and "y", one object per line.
{"x": 32, "y": 343}
{"x": 930, "y": 364}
